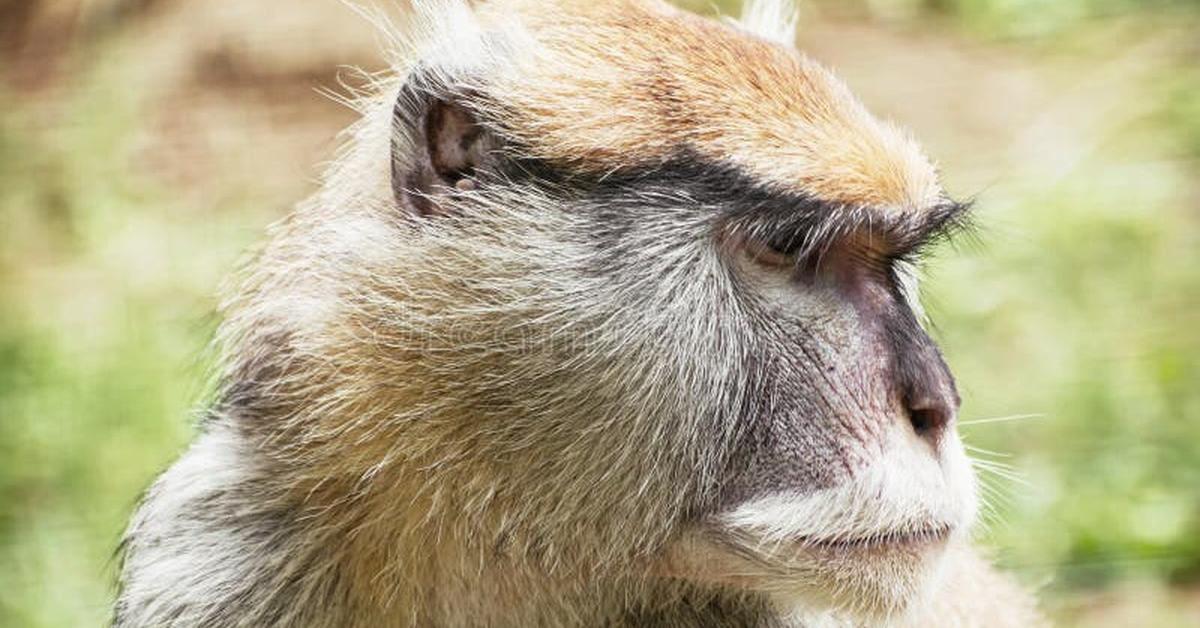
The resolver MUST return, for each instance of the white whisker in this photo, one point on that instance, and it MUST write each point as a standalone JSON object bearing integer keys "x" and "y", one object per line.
{"x": 1003, "y": 419}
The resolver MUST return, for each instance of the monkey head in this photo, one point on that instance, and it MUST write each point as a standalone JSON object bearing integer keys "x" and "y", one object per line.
{"x": 613, "y": 292}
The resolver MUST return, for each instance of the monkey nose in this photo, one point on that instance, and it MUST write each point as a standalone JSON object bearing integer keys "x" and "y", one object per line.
{"x": 927, "y": 392}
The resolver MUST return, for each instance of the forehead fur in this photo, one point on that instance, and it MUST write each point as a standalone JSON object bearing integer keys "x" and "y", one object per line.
{"x": 622, "y": 83}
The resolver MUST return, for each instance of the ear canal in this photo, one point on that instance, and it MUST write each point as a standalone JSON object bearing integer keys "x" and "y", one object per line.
{"x": 455, "y": 142}
{"x": 438, "y": 149}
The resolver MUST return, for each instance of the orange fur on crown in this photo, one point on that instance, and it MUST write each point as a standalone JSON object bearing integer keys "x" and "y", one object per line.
{"x": 628, "y": 82}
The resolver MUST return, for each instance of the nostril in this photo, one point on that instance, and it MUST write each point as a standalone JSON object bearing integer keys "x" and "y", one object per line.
{"x": 923, "y": 420}
{"x": 929, "y": 420}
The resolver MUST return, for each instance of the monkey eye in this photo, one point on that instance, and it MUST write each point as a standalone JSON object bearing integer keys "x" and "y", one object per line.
{"x": 780, "y": 250}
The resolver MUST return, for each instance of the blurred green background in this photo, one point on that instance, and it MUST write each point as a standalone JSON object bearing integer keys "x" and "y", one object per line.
{"x": 144, "y": 144}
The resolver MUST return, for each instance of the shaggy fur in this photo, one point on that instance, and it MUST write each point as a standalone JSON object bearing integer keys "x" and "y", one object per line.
{"x": 557, "y": 391}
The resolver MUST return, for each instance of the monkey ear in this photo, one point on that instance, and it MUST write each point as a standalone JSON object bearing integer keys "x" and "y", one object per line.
{"x": 439, "y": 149}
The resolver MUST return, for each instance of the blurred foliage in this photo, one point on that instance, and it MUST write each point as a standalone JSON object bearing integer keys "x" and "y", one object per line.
{"x": 136, "y": 164}
{"x": 1034, "y": 18}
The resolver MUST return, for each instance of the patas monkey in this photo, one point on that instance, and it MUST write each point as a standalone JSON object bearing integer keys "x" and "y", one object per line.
{"x": 605, "y": 317}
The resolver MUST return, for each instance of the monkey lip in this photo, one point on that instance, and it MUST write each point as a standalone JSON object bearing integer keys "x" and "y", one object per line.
{"x": 900, "y": 539}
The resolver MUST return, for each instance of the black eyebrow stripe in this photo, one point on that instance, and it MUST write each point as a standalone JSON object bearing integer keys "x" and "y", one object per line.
{"x": 710, "y": 183}
{"x": 766, "y": 213}
{"x": 746, "y": 205}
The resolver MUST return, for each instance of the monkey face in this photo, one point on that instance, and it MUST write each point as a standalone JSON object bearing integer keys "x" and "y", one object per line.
{"x": 837, "y": 478}
{"x": 857, "y": 407}
{"x": 662, "y": 280}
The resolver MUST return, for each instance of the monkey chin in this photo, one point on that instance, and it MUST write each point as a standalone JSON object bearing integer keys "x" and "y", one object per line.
{"x": 866, "y": 549}
{"x": 873, "y": 579}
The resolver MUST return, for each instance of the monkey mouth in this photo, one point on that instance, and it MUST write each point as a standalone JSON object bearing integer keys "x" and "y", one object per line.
{"x": 750, "y": 561}
{"x": 899, "y": 539}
